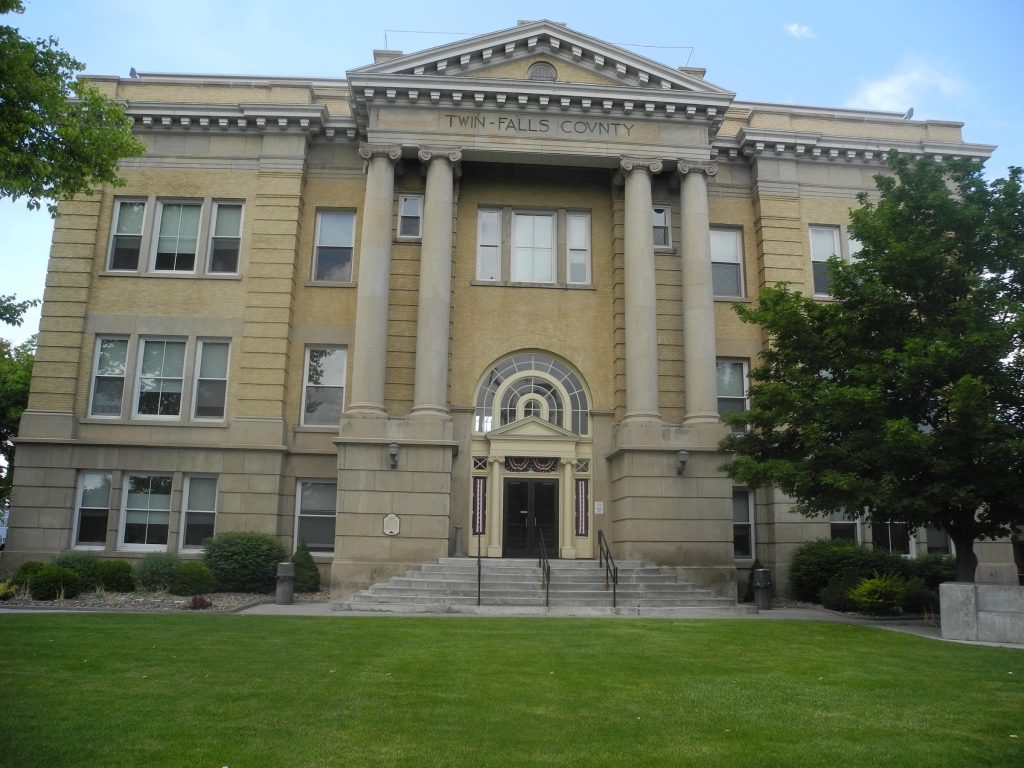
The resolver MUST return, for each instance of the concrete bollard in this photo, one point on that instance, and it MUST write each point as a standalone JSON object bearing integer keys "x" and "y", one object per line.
{"x": 458, "y": 541}
{"x": 763, "y": 589}
{"x": 285, "y": 583}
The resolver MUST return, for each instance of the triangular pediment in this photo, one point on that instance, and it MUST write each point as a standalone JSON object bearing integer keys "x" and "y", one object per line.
{"x": 534, "y": 428}
{"x": 565, "y": 71}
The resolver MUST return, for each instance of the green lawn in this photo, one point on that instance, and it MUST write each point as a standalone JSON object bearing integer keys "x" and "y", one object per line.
{"x": 242, "y": 691}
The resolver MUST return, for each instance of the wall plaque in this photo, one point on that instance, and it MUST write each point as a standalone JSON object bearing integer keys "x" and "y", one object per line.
{"x": 391, "y": 524}
{"x": 598, "y": 507}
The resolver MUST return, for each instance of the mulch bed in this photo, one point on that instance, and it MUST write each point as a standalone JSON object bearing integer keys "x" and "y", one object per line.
{"x": 156, "y": 601}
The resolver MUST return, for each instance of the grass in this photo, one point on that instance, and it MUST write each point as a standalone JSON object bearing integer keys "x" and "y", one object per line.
{"x": 241, "y": 691}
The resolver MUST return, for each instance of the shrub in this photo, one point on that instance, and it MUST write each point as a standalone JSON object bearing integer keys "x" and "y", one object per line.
{"x": 880, "y": 595}
{"x": 53, "y": 582}
{"x": 155, "y": 571}
{"x": 198, "y": 603}
{"x": 23, "y": 573}
{"x": 244, "y": 561}
{"x": 82, "y": 563}
{"x": 917, "y": 598}
{"x": 191, "y": 579}
{"x": 836, "y": 595}
{"x": 307, "y": 575}
{"x": 815, "y": 563}
{"x": 934, "y": 569}
{"x": 7, "y": 590}
{"x": 115, "y": 576}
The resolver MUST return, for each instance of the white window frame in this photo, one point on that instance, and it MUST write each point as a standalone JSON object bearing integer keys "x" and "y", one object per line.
{"x": 554, "y": 248}
{"x": 480, "y": 244}
{"x": 185, "y": 510}
{"x": 213, "y": 228}
{"x": 305, "y": 383}
{"x": 123, "y": 513}
{"x": 569, "y": 249}
{"x": 298, "y": 513}
{"x": 837, "y": 242}
{"x": 79, "y": 494}
{"x": 401, "y": 204}
{"x": 125, "y": 389}
{"x": 201, "y": 343}
{"x": 316, "y": 247}
{"x": 137, "y": 388}
{"x": 738, "y": 232}
{"x": 113, "y": 233}
{"x": 858, "y": 537}
{"x": 750, "y": 523}
{"x": 668, "y": 226}
{"x": 154, "y": 245}
{"x": 746, "y": 381}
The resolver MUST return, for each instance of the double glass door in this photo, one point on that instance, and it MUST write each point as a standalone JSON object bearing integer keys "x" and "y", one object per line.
{"x": 531, "y": 509}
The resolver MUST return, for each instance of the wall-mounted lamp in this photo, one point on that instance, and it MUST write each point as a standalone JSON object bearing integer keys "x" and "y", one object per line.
{"x": 681, "y": 458}
{"x": 393, "y": 453}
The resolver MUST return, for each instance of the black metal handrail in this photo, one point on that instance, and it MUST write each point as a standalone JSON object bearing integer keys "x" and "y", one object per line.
{"x": 611, "y": 570}
{"x": 545, "y": 569}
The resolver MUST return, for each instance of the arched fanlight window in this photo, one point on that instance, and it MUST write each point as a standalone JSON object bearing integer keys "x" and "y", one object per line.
{"x": 542, "y": 72}
{"x": 538, "y": 393}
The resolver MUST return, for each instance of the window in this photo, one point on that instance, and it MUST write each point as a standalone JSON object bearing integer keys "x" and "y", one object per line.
{"x": 824, "y": 245}
{"x": 161, "y": 371}
{"x": 855, "y": 246}
{"x": 514, "y": 378}
{"x": 541, "y": 72}
{"x": 126, "y": 243}
{"x": 108, "y": 377}
{"x": 335, "y": 238}
{"x": 93, "y": 509}
{"x": 662, "y": 230}
{"x": 727, "y": 262}
{"x": 843, "y": 527}
{"x": 533, "y": 248}
{"x": 226, "y": 238}
{"x": 410, "y": 216}
{"x": 200, "y": 510}
{"x": 578, "y": 269}
{"x": 488, "y": 248}
{"x": 323, "y": 399}
{"x": 732, "y": 387}
{"x": 147, "y": 510}
{"x": 315, "y": 518}
{"x": 938, "y": 541}
{"x": 177, "y": 238}
{"x": 742, "y": 524}
{"x": 894, "y": 537}
{"x": 212, "y": 379}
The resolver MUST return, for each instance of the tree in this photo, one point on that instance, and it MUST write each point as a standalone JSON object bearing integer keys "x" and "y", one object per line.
{"x": 15, "y": 376}
{"x": 58, "y": 136}
{"x": 902, "y": 399}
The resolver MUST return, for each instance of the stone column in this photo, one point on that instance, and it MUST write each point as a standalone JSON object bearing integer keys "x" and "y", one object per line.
{"x": 369, "y": 356}
{"x": 430, "y": 396}
{"x": 698, "y": 297}
{"x": 641, "y": 298}
{"x": 568, "y": 529}
{"x": 494, "y": 508}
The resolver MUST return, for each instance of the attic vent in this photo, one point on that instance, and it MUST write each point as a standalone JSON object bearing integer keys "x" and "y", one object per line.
{"x": 541, "y": 72}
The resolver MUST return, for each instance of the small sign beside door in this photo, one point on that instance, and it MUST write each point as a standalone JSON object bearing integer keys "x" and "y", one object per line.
{"x": 598, "y": 507}
{"x": 391, "y": 524}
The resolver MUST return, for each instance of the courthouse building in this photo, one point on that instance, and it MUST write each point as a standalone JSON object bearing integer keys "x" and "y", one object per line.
{"x": 484, "y": 288}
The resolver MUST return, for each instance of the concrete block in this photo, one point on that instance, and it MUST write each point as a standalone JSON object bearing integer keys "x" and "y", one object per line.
{"x": 958, "y": 605}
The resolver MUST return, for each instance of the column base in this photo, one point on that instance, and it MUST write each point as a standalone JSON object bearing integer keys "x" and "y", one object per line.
{"x": 366, "y": 411}
{"x": 567, "y": 553}
{"x": 696, "y": 418}
{"x": 494, "y": 552}
{"x": 429, "y": 412}
{"x": 647, "y": 416}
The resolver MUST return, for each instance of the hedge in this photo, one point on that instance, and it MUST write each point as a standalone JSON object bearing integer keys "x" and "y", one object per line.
{"x": 53, "y": 582}
{"x": 307, "y": 575}
{"x": 155, "y": 571}
{"x": 244, "y": 561}
{"x": 115, "y": 576}
{"x": 192, "y": 579}
{"x": 82, "y": 563}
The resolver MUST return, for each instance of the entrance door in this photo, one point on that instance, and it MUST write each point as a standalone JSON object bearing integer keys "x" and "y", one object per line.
{"x": 531, "y": 507}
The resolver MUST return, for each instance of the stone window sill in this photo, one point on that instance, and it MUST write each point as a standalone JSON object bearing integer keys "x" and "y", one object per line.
{"x": 734, "y": 299}
{"x": 316, "y": 429}
{"x": 328, "y": 284}
{"x": 564, "y": 286}
{"x": 154, "y": 422}
{"x": 407, "y": 240}
{"x": 170, "y": 275}
{"x": 670, "y": 249}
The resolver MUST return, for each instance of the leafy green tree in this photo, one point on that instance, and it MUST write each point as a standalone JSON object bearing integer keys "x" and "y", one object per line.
{"x": 58, "y": 136}
{"x": 15, "y": 377}
{"x": 902, "y": 399}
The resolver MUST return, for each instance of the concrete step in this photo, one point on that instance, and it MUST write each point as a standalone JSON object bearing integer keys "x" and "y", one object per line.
{"x": 700, "y": 612}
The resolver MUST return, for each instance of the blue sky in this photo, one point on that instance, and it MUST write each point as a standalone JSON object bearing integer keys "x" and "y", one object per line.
{"x": 948, "y": 60}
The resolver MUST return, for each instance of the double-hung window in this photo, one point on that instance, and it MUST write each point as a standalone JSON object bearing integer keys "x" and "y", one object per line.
{"x": 323, "y": 397}
{"x": 662, "y": 227}
{"x": 147, "y": 510}
{"x": 488, "y": 248}
{"x": 335, "y": 240}
{"x": 742, "y": 523}
{"x": 161, "y": 372}
{"x": 727, "y": 262}
{"x": 126, "y": 244}
{"x": 891, "y": 537}
{"x": 93, "y": 509}
{"x": 578, "y": 268}
{"x": 842, "y": 527}
{"x": 732, "y": 387}
{"x": 211, "y": 379}
{"x": 824, "y": 245}
{"x": 533, "y": 248}
{"x": 314, "y": 523}
{"x": 200, "y": 510}
{"x": 108, "y": 377}
{"x": 177, "y": 237}
{"x": 225, "y": 238}
{"x": 410, "y": 216}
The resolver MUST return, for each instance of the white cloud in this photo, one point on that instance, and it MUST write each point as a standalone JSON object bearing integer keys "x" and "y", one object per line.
{"x": 913, "y": 83}
{"x": 799, "y": 31}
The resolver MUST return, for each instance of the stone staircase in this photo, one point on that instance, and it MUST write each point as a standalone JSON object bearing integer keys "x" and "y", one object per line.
{"x": 512, "y": 587}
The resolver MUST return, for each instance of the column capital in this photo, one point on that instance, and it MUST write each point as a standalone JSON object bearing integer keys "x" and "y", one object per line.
{"x": 651, "y": 165}
{"x": 495, "y": 459}
{"x": 567, "y": 460}
{"x": 452, "y": 154}
{"x": 392, "y": 152}
{"x": 684, "y": 167}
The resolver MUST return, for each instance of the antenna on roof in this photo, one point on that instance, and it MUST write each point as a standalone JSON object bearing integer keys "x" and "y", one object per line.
{"x": 132, "y": 72}
{"x": 909, "y": 115}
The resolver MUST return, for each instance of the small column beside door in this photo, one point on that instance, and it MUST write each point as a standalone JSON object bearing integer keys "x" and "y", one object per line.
{"x": 494, "y": 505}
{"x": 567, "y": 506}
